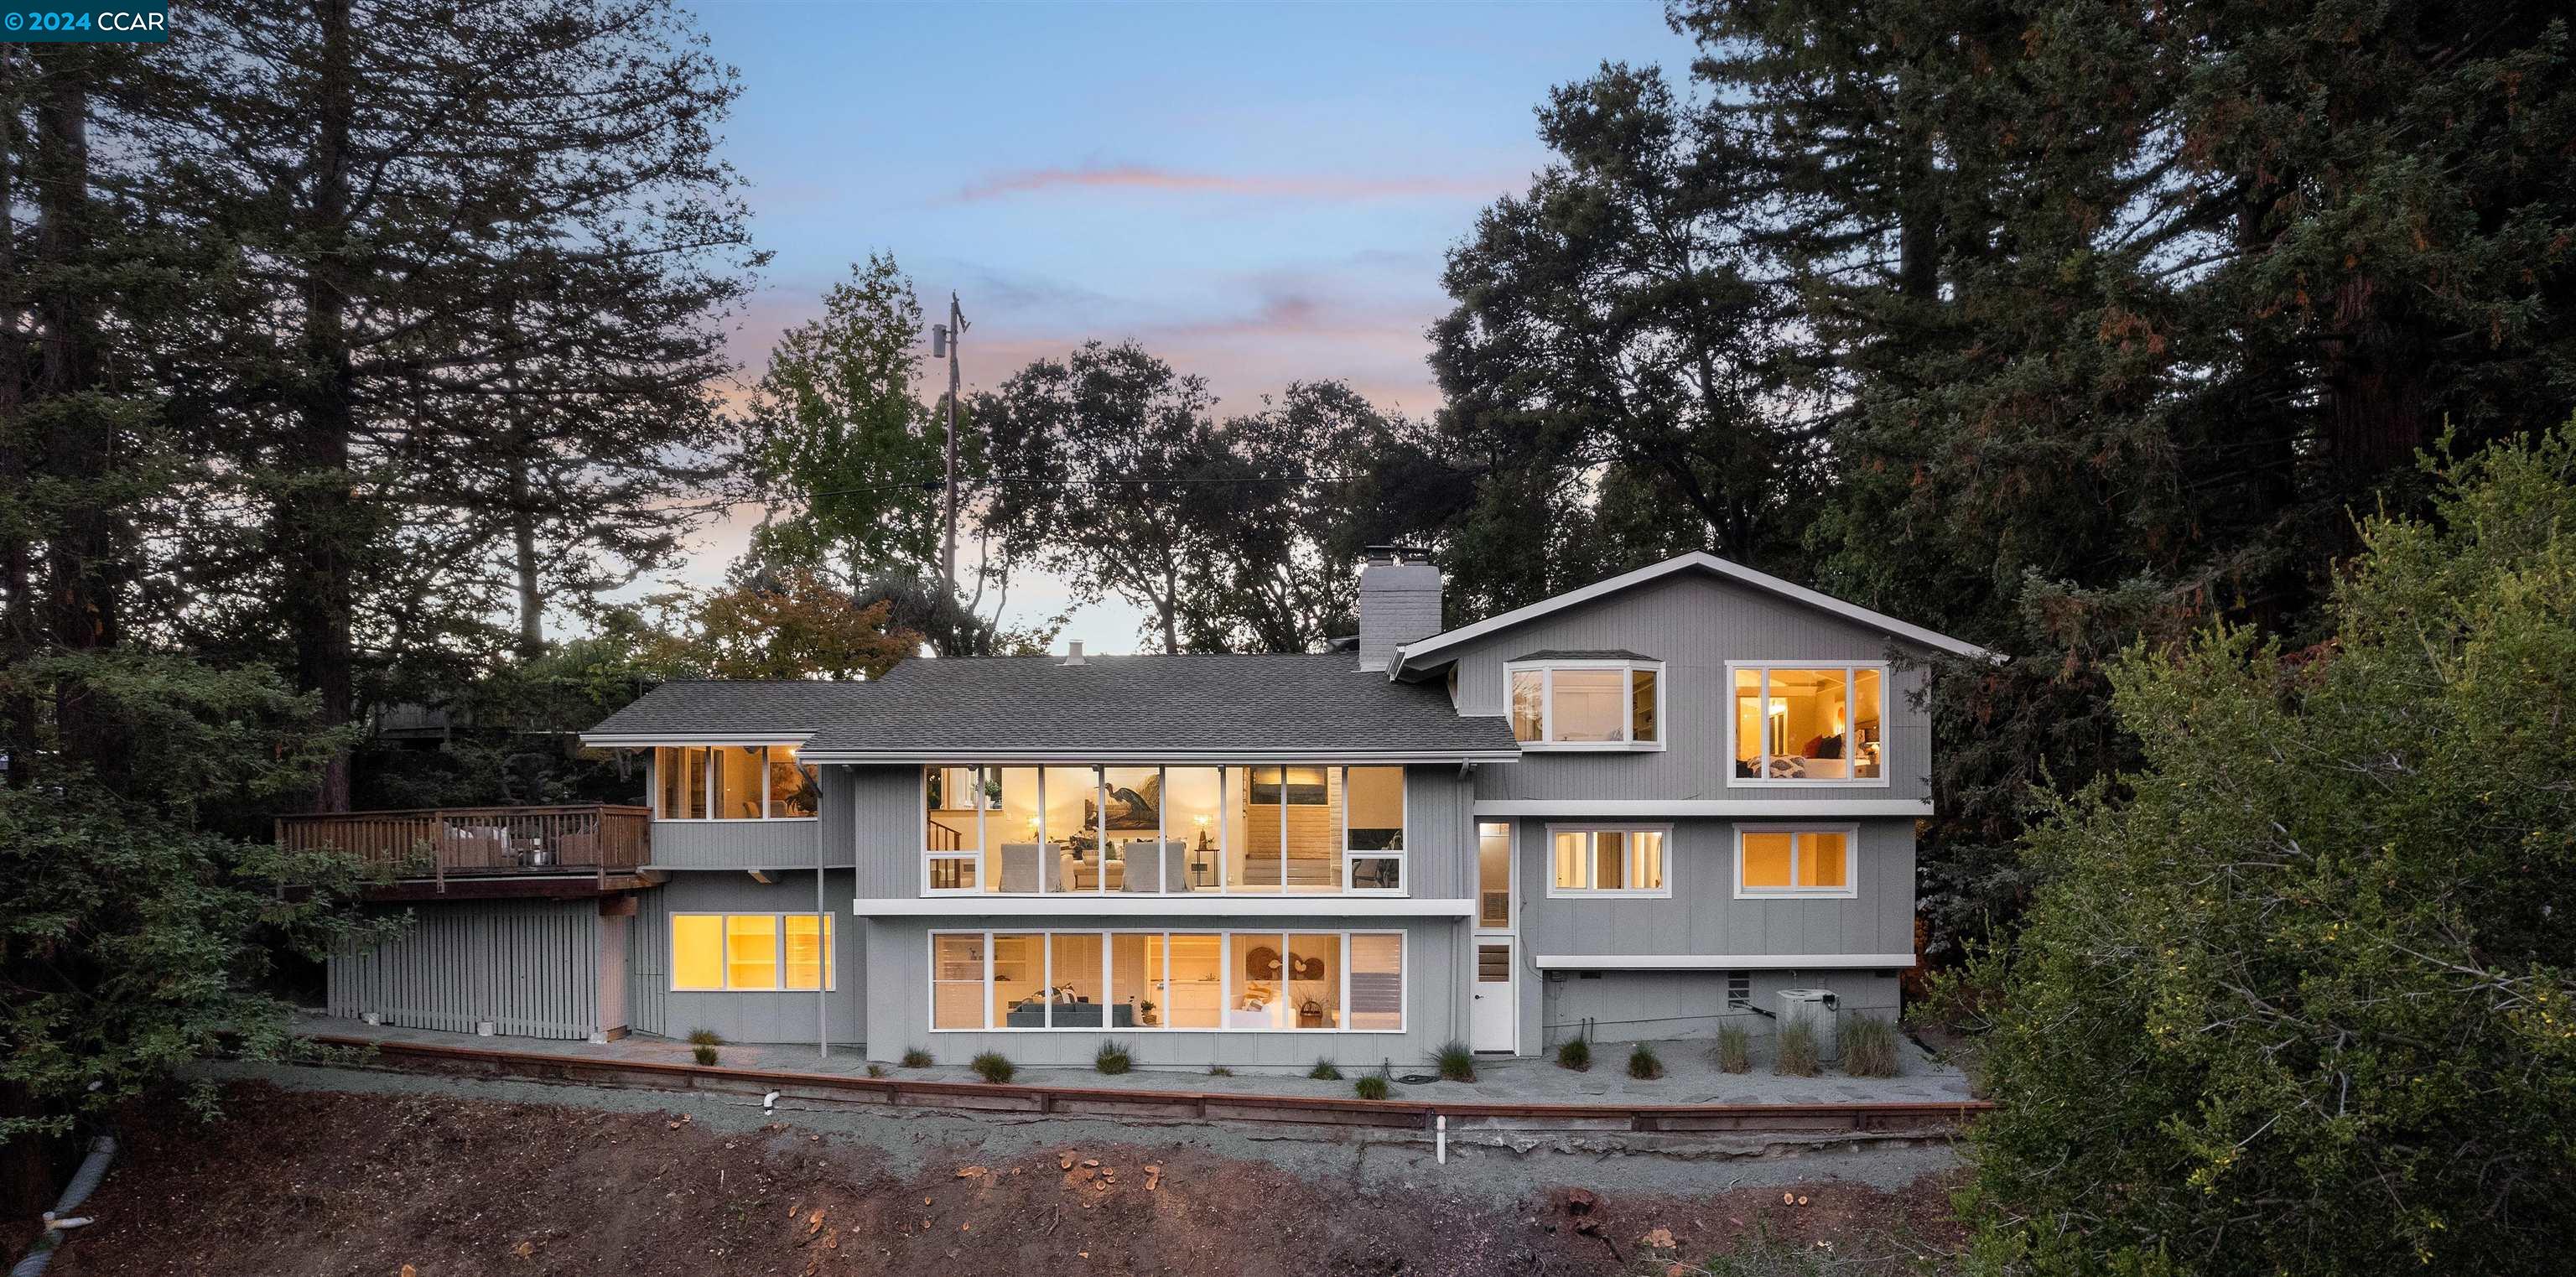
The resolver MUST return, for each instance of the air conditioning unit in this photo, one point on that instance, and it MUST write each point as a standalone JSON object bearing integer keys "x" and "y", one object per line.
{"x": 1816, "y": 1009}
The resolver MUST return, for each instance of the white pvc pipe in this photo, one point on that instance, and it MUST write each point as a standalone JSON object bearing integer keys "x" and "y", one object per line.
{"x": 1440, "y": 1129}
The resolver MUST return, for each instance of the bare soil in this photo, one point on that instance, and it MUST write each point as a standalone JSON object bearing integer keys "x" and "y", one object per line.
{"x": 301, "y": 1183}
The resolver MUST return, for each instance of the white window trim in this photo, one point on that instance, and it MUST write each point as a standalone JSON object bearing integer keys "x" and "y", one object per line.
{"x": 1225, "y": 968}
{"x": 707, "y": 788}
{"x": 1224, "y": 850}
{"x": 1851, "y": 674}
{"x": 1851, "y": 863}
{"x": 724, "y": 963}
{"x": 1627, "y": 721}
{"x": 1627, "y": 862}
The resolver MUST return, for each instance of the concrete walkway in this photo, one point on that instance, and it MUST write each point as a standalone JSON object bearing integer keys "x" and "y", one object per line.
{"x": 1691, "y": 1072}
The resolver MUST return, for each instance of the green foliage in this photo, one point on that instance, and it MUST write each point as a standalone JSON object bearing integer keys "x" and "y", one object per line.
{"x": 703, "y": 1053}
{"x": 788, "y": 623}
{"x": 1371, "y": 1087}
{"x": 1575, "y": 1054}
{"x": 1793, "y": 1050}
{"x": 1324, "y": 1071}
{"x": 876, "y": 1070}
{"x": 2310, "y": 961}
{"x": 1219, "y": 1070}
{"x": 1734, "y": 1049}
{"x": 1643, "y": 1064}
{"x": 1457, "y": 1061}
{"x": 1870, "y": 1046}
{"x": 992, "y": 1067}
{"x": 1112, "y": 1058}
{"x": 134, "y": 931}
{"x": 705, "y": 1037}
{"x": 917, "y": 1058}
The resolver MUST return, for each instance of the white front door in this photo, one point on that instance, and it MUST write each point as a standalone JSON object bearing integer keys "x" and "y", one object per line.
{"x": 1490, "y": 1020}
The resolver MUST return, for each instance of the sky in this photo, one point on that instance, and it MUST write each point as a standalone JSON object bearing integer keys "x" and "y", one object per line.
{"x": 1256, "y": 193}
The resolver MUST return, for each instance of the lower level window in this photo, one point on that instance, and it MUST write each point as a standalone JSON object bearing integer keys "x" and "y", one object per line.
{"x": 1608, "y": 860}
{"x": 1143, "y": 981}
{"x": 750, "y": 952}
{"x": 1795, "y": 862}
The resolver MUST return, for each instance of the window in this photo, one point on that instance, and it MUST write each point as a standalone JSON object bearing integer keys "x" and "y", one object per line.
{"x": 1772, "y": 861}
{"x": 734, "y": 782}
{"x": 1586, "y": 704}
{"x": 1162, "y": 830}
{"x": 1810, "y": 724}
{"x": 1145, "y": 981}
{"x": 1494, "y": 876}
{"x": 1373, "y": 828}
{"x": 1609, "y": 860}
{"x": 750, "y": 952}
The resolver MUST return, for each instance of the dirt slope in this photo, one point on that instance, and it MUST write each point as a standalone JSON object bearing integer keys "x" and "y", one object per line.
{"x": 298, "y": 1183}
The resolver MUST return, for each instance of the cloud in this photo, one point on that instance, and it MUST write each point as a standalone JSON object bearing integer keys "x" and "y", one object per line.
{"x": 1141, "y": 177}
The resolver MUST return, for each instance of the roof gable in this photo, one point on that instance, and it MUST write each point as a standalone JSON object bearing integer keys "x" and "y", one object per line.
{"x": 1419, "y": 656}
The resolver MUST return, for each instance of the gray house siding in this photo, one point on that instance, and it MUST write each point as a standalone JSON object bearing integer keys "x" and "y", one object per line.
{"x": 734, "y": 844}
{"x": 1658, "y": 1006}
{"x": 1436, "y": 954}
{"x": 788, "y": 1016}
{"x": 530, "y": 967}
{"x": 1694, "y": 624}
{"x": 1702, "y": 916}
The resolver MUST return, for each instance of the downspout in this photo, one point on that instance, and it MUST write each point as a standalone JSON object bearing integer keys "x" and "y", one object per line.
{"x": 826, "y": 936}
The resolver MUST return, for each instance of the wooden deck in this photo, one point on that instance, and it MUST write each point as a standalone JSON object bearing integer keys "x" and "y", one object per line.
{"x": 575, "y": 849}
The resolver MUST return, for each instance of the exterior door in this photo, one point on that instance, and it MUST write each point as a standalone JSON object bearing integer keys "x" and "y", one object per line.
{"x": 1490, "y": 1020}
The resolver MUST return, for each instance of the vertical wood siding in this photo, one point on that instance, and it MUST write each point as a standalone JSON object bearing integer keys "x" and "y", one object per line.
{"x": 1695, "y": 624}
{"x": 735, "y": 844}
{"x": 1703, "y": 915}
{"x": 786, "y": 1015}
{"x": 531, "y": 967}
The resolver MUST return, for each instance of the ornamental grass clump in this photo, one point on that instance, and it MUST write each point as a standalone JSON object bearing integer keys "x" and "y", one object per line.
{"x": 1869, "y": 1047}
{"x": 704, "y": 1037}
{"x": 1734, "y": 1049}
{"x": 1112, "y": 1058}
{"x": 705, "y": 1054}
{"x": 1374, "y": 1086}
{"x": 1457, "y": 1062}
{"x": 1324, "y": 1072}
{"x": 1794, "y": 1053}
{"x": 916, "y": 1058}
{"x": 1575, "y": 1054}
{"x": 992, "y": 1067}
{"x": 1643, "y": 1064}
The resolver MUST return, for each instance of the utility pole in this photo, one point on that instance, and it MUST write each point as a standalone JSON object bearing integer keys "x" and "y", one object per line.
{"x": 943, "y": 340}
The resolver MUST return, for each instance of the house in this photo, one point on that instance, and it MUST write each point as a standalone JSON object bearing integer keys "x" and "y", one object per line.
{"x": 1631, "y": 810}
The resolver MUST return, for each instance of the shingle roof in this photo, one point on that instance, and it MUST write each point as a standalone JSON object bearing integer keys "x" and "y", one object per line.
{"x": 973, "y": 708}
{"x": 703, "y": 707}
{"x": 1583, "y": 654}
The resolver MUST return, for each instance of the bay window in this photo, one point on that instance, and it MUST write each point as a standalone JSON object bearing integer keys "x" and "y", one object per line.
{"x": 1809, "y": 724}
{"x": 733, "y": 782}
{"x": 1773, "y": 860}
{"x": 1608, "y": 860}
{"x": 1148, "y": 981}
{"x": 1597, "y": 702}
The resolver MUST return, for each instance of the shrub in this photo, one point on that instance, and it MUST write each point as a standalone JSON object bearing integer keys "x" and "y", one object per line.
{"x": 876, "y": 1070}
{"x": 1112, "y": 1058}
{"x": 1643, "y": 1064}
{"x": 992, "y": 1067}
{"x": 1734, "y": 1049}
{"x": 705, "y": 1053}
{"x": 1325, "y": 1072}
{"x": 916, "y": 1058}
{"x": 705, "y": 1037}
{"x": 1869, "y": 1047}
{"x": 1575, "y": 1054}
{"x": 1794, "y": 1050}
{"x": 1219, "y": 1070}
{"x": 1457, "y": 1062}
{"x": 1372, "y": 1087}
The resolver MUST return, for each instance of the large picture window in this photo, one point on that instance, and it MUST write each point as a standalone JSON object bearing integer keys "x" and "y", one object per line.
{"x": 1809, "y": 724}
{"x": 1150, "y": 981}
{"x": 733, "y": 782}
{"x": 1780, "y": 861}
{"x": 750, "y": 952}
{"x": 1162, "y": 830}
{"x": 1609, "y": 860}
{"x": 1614, "y": 702}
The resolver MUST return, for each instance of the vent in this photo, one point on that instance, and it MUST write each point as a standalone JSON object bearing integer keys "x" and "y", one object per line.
{"x": 1073, "y": 654}
{"x": 1739, "y": 989}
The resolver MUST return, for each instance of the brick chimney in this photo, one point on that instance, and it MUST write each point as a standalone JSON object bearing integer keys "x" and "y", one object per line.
{"x": 1399, "y": 601}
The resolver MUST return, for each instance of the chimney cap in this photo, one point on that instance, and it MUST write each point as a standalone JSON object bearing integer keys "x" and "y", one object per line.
{"x": 1396, "y": 552}
{"x": 1073, "y": 653}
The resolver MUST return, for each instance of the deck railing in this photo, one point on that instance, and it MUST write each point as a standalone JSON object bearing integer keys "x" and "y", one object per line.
{"x": 445, "y": 842}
